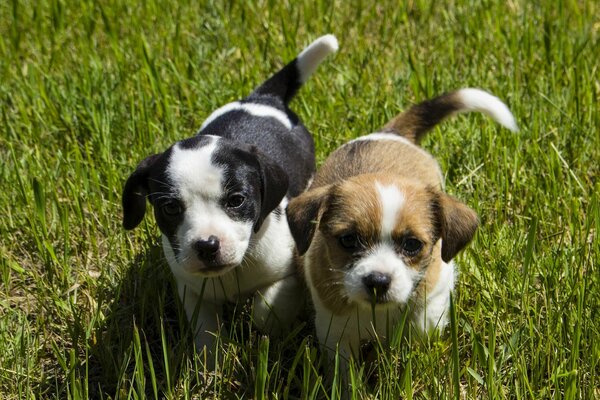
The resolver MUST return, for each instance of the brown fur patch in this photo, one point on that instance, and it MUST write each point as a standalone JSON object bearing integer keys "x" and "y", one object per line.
{"x": 379, "y": 156}
{"x": 324, "y": 263}
{"x": 420, "y": 118}
{"x": 458, "y": 223}
{"x": 303, "y": 213}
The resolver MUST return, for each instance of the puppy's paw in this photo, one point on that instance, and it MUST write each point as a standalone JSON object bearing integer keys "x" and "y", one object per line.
{"x": 276, "y": 306}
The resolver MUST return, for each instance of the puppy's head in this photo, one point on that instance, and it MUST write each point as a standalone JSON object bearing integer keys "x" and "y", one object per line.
{"x": 209, "y": 196}
{"x": 372, "y": 237}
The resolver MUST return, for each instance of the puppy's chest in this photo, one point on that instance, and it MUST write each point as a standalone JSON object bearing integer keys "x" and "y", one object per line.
{"x": 237, "y": 284}
{"x": 367, "y": 325}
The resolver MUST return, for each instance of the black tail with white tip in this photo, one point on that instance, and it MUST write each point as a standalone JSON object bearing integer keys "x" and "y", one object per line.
{"x": 415, "y": 122}
{"x": 286, "y": 82}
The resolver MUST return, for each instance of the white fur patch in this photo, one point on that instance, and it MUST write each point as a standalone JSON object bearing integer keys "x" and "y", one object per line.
{"x": 310, "y": 58}
{"x": 218, "y": 112}
{"x": 386, "y": 136}
{"x": 389, "y": 136}
{"x": 382, "y": 259}
{"x": 392, "y": 201}
{"x": 192, "y": 170}
{"x": 261, "y": 110}
{"x": 205, "y": 218}
{"x": 482, "y": 101}
{"x": 256, "y": 110}
{"x": 433, "y": 314}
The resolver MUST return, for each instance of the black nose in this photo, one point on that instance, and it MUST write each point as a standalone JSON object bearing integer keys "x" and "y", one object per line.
{"x": 207, "y": 249}
{"x": 377, "y": 283}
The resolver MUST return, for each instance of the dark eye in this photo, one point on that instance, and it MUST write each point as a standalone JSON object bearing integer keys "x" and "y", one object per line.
{"x": 349, "y": 241}
{"x": 172, "y": 208}
{"x": 411, "y": 246}
{"x": 235, "y": 200}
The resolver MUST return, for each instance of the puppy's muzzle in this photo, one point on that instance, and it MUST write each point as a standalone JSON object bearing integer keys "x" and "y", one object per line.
{"x": 207, "y": 250}
{"x": 377, "y": 285}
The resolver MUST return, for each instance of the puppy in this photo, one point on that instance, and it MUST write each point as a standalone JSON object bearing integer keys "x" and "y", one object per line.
{"x": 377, "y": 231}
{"x": 219, "y": 200}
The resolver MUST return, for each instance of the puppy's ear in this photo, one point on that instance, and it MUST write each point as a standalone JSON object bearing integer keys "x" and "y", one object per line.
{"x": 274, "y": 186}
{"x": 135, "y": 192}
{"x": 303, "y": 214}
{"x": 458, "y": 224}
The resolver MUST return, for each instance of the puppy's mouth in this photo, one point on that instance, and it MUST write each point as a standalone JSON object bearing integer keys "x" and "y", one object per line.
{"x": 375, "y": 299}
{"x": 213, "y": 269}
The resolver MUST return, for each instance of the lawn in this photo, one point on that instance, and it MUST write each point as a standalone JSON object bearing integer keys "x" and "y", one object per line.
{"x": 88, "y": 89}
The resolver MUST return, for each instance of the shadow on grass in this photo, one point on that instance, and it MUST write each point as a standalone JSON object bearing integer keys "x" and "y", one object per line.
{"x": 144, "y": 347}
{"x": 143, "y": 327}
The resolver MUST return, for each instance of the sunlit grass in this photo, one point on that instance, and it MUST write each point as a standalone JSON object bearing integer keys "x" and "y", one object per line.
{"x": 87, "y": 89}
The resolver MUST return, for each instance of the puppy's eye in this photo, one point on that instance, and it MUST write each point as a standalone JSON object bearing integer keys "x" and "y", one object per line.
{"x": 349, "y": 241}
{"x": 412, "y": 246}
{"x": 235, "y": 200}
{"x": 172, "y": 208}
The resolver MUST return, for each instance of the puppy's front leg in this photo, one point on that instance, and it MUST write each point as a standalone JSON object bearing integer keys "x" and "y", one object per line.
{"x": 204, "y": 318}
{"x": 338, "y": 337}
{"x": 337, "y": 347}
{"x": 431, "y": 313}
{"x": 277, "y": 305}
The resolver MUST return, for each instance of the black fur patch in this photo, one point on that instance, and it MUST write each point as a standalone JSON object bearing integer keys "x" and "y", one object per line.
{"x": 277, "y": 213}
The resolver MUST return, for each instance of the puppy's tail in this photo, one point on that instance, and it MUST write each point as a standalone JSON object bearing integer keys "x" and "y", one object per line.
{"x": 422, "y": 117}
{"x": 285, "y": 83}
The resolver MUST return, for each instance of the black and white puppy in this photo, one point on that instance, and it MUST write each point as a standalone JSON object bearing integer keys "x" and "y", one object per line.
{"x": 219, "y": 199}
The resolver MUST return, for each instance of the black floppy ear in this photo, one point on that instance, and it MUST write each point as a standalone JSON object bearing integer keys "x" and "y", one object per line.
{"x": 303, "y": 214}
{"x": 458, "y": 224}
{"x": 274, "y": 186}
{"x": 135, "y": 192}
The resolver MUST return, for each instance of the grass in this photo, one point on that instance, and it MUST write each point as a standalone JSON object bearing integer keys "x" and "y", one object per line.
{"x": 87, "y": 89}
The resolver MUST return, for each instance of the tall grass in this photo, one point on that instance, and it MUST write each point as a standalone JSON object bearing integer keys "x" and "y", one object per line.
{"x": 87, "y": 89}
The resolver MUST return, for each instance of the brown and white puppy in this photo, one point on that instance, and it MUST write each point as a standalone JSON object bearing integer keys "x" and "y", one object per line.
{"x": 377, "y": 231}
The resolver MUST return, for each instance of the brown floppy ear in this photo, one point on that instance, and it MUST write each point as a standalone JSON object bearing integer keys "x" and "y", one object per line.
{"x": 303, "y": 215}
{"x": 458, "y": 224}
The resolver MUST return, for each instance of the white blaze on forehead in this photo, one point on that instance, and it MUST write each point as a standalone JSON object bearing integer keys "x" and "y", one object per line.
{"x": 192, "y": 171}
{"x": 392, "y": 201}
{"x": 254, "y": 109}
